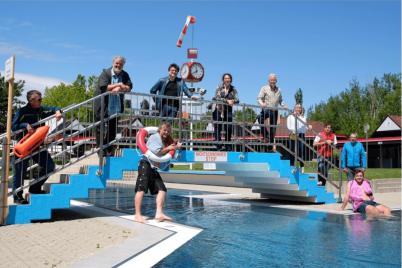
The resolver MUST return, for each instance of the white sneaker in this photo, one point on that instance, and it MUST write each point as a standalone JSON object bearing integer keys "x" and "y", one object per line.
{"x": 302, "y": 170}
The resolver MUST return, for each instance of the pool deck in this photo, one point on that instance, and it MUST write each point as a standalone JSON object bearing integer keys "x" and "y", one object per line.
{"x": 86, "y": 236}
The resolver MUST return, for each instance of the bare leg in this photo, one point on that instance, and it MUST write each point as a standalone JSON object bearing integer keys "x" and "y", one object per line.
{"x": 372, "y": 211}
{"x": 160, "y": 201}
{"x": 138, "y": 201}
{"x": 384, "y": 210}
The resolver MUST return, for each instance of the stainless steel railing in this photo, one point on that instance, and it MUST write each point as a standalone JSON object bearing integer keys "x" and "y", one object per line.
{"x": 199, "y": 124}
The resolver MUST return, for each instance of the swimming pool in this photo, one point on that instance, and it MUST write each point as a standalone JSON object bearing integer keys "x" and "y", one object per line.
{"x": 240, "y": 234}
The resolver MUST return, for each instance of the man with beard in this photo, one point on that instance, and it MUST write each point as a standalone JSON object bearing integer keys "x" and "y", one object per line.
{"x": 149, "y": 178}
{"x": 117, "y": 81}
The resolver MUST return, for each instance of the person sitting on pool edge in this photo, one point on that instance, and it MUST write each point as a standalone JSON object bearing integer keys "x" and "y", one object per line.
{"x": 360, "y": 193}
{"x": 149, "y": 178}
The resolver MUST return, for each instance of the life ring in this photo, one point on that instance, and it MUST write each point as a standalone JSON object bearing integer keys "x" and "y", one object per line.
{"x": 144, "y": 132}
{"x": 30, "y": 142}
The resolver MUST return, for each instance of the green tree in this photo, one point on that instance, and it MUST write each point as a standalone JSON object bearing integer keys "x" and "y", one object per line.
{"x": 248, "y": 115}
{"x": 350, "y": 110}
{"x": 66, "y": 95}
{"x": 17, "y": 92}
{"x": 299, "y": 96}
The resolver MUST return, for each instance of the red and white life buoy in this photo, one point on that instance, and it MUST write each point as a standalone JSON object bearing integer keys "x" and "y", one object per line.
{"x": 141, "y": 135}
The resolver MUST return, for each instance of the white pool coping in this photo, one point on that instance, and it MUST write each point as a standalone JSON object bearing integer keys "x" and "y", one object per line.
{"x": 150, "y": 256}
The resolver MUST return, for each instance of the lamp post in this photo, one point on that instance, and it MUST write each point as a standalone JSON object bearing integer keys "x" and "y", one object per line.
{"x": 366, "y": 129}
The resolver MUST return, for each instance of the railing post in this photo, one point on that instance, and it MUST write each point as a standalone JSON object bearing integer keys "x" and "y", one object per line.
{"x": 4, "y": 182}
{"x": 180, "y": 115}
{"x": 243, "y": 129}
{"x": 340, "y": 180}
{"x": 296, "y": 140}
{"x": 101, "y": 134}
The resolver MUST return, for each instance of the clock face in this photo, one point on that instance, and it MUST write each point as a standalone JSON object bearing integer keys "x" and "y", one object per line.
{"x": 197, "y": 71}
{"x": 184, "y": 71}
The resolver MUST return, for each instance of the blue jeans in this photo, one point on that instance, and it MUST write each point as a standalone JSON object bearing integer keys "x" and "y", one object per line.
{"x": 169, "y": 111}
{"x": 46, "y": 165}
{"x": 300, "y": 149}
{"x": 351, "y": 172}
{"x": 323, "y": 167}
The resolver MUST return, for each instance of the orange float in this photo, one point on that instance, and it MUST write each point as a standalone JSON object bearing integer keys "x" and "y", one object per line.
{"x": 30, "y": 142}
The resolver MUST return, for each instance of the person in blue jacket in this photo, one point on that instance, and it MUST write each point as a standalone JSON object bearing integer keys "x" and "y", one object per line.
{"x": 24, "y": 118}
{"x": 170, "y": 86}
{"x": 353, "y": 156}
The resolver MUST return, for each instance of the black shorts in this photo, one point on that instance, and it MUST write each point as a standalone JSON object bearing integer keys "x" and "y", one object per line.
{"x": 148, "y": 179}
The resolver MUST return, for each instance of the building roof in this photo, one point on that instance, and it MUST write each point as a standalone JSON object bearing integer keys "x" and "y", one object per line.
{"x": 396, "y": 119}
{"x": 390, "y": 123}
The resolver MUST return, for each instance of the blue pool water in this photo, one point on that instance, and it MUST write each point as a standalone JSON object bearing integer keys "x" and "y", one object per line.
{"x": 240, "y": 234}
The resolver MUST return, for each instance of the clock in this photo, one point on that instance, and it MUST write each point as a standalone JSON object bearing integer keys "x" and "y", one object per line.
{"x": 185, "y": 71}
{"x": 192, "y": 72}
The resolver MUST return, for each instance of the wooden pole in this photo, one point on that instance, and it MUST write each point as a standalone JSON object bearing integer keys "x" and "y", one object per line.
{"x": 6, "y": 153}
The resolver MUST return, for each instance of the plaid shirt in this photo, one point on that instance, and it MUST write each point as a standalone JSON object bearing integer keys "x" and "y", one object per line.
{"x": 273, "y": 98}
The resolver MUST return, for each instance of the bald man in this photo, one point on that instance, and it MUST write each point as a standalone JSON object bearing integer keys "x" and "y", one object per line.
{"x": 269, "y": 99}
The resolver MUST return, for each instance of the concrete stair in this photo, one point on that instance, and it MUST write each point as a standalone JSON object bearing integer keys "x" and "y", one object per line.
{"x": 265, "y": 173}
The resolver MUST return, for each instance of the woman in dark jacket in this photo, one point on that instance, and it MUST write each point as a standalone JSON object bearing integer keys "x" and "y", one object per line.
{"x": 225, "y": 97}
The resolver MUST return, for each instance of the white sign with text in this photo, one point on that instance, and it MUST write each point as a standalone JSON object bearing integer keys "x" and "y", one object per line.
{"x": 9, "y": 70}
{"x": 203, "y": 156}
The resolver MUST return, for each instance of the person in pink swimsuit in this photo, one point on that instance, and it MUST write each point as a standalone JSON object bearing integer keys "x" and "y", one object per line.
{"x": 360, "y": 193}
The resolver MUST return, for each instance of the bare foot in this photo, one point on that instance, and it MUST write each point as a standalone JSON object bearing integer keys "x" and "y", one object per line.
{"x": 162, "y": 217}
{"x": 139, "y": 218}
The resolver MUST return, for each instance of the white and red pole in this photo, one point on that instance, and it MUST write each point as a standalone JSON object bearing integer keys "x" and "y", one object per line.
{"x": 189, "y": 20}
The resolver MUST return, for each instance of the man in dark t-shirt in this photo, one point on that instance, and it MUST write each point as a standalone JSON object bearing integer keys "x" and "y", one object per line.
{"x": 171, "y": 86}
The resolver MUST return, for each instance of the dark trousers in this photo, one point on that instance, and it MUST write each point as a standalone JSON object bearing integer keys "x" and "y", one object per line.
{"x": 169, "y": 111}
{"x": 109, "y": 134}
{"x": 272, "y": 115}
{"x": 300, "y": 149}
{"x": 323, "y": 167}
{"x": 218, "y": 127}
{"x": 46, "y": 165}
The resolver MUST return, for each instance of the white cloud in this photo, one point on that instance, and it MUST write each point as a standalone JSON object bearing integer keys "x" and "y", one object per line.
{"x": 36, "y": 82}
{"x": 7, "y": 48}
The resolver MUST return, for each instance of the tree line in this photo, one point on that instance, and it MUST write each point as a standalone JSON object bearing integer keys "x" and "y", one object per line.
{"x": 358, "y": 105}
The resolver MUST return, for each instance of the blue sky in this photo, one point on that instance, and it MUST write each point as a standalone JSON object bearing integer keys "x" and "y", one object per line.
{"x": 319, "y": 46}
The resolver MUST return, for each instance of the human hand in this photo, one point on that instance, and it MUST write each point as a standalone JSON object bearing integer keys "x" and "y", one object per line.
{"x": 231, "y": 102}
{"x": 117, "y": 89}
{"x": 328, "y": 142}
{"x": 310, "y": 127}
{"x": 178, "y": 145}
{"x": 49, "y": 139}
{"x": 30, "y": 128}
{"x": 58, "y": 115}
{"x": 263, "y": 105}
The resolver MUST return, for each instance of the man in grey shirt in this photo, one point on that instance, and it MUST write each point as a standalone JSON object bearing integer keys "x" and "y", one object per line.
{"x": 149, "y": 178}
{"x": 269, "y": 98}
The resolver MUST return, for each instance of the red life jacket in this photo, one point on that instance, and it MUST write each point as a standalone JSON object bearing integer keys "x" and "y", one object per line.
{"x": 325, "y": 149}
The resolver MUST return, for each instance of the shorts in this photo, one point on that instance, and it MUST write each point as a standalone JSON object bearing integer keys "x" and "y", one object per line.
{"x": 148, "y": 179}
{"x": 362, "y": 207}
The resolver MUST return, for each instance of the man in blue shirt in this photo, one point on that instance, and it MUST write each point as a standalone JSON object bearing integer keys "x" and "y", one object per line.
{"x": 353, "y": 156}
{"x": 148, "y": 176}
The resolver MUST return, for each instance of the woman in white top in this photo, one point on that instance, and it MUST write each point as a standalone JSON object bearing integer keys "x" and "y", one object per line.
{"x": 298, "y": 128}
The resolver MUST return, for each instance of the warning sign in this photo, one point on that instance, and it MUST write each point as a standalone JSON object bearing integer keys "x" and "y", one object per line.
{"x": 201, "y": 156}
